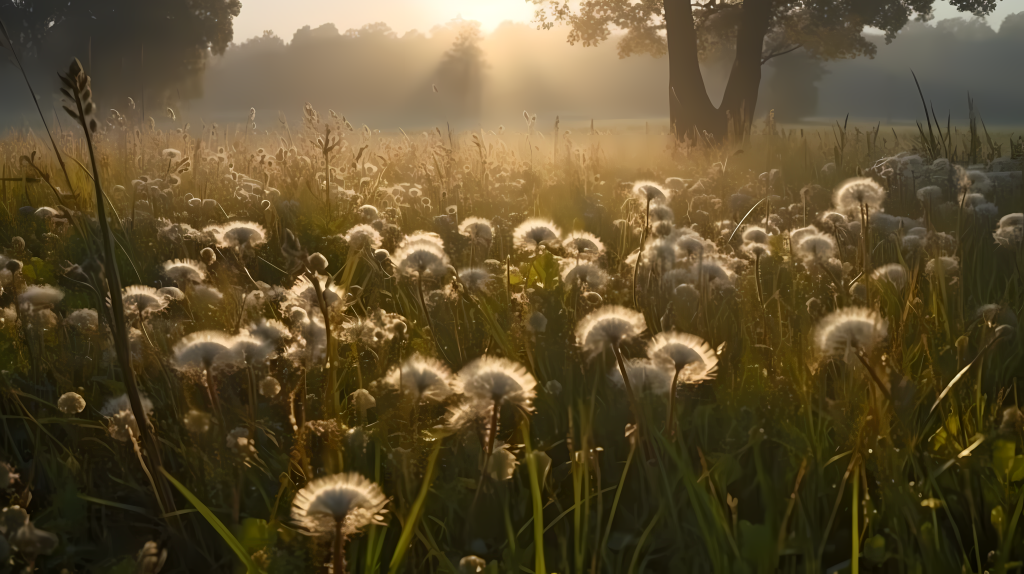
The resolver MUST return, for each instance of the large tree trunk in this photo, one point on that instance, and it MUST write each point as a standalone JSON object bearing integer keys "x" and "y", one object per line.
{"x": 740, "y": 97}
{"x": 691, "y": 112}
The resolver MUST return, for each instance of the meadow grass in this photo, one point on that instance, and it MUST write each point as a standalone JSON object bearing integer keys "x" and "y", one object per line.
{"x": 316, "y": 347}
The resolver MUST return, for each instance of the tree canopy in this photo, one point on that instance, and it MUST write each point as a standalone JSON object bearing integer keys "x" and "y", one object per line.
{"x": 754, "y": 30}
{"x": 126, "y": 45}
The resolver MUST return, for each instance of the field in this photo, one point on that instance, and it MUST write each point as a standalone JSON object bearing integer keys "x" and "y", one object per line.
{"x": 316, "y": 348}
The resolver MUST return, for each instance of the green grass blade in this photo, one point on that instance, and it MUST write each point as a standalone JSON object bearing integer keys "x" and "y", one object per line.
{"x": 217, "y": 525}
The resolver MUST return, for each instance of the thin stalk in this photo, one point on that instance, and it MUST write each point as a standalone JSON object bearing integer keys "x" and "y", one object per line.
{"x": 854, "y": 528}
{"x": 119, "y": 329}
{"x": 340, "y": 566}
{"x": 670, "y": 420}
{"x": 538, "y": 503}
{"x": 639, "y": 254}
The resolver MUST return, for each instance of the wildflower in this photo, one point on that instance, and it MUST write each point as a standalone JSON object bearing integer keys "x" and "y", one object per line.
{"x": 688, "y": 356}
{"x": 650, "y": 192}
{"x": 850, "y": 328}
{"x": 40, "y": 296}
{"x": 183, "y": 271}
{"x": 421, "y": 378}
{"x": 317, "y": 263}
{"x": 496, "y": 380}
{"x": 208, "y": 255}
{"x": 207, "y": 295}
{"x": 421, "y": 254}
{"x": 269, "y": 330}
{"x": 477, "y": 229}
{"x": 607, "y": 328}
{"x": 582, "y": 274}
{"x": 269, "y": 387}
{"x": 171, "y": 293}
{"x": 304, "y": 294}
{"x": 583, "y": 244}
{"x": 755, "y": 234}
{"x": 857, "y": 193}
{"x": 815, "y": 247}
{"x": 368, "y": 213}
{"x": 950, "y": 265}
{"x": 84, "y": 320}
{"x": 892, "y": 273}
{"x": 361, "y": 237}
{"x": 501, "y": 464}
{"x": 240, "y": 235}
{"x": 343, "y": 503}
{"x": 121, "y": 422}
{"x": 1010, "y": 230}
{"x": 200, "y": 350}
{"x": 929, "y": 194}
{"x": 71, "y": 403}
{"x": 142, "y": 300}
{"x": 531, "y": 234}
{"x": 476, "y": 280}
{"x": 247, "y": 350}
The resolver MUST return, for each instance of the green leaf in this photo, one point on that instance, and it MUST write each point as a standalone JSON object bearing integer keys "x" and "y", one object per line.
{"x": 874, "y": 549}
{"x": 1017, "y": 470}
{"x": 217, "y": 525}
{"x": 1003, "y": 458}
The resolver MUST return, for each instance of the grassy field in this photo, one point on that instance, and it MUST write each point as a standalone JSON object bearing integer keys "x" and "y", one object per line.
{"x": 316, "y": 348}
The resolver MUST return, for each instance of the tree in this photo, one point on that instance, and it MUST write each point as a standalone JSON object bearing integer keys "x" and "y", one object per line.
{"x": 126, "y": 45}
{"x": 755, "y": 31}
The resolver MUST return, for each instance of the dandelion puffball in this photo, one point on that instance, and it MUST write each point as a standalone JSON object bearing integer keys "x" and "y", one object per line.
{"x": 607, "y": 327}
{"x": 850, "y": 328}
{"x": 71, "y": 403}
{"x": 688, "y": 355}
{"x": 496, "y": 380}
{"x": 347, "y": 502}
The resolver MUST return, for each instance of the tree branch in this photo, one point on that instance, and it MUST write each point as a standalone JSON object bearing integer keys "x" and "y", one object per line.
{"x": 764, "y": 59}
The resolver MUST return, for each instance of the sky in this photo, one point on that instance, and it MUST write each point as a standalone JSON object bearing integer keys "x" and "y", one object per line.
{"x": 284, "y": 17}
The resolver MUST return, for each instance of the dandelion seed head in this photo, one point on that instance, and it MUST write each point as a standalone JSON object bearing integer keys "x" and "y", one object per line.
{"x": 477, "y": 229}
{"x": 362, "y": 236}
{"x": 347, "y": 498}
{"x": 421, "y": 254}
{"x": 583, "y": 244}
{"x": 857, "y": 192}
{"x": 531, "y": 234}
{"x": 71, "y": 403}
{"x": 142, "y": 300}
{"x": 269, "y": 387}
{"x": 892, "y": 273}
{"x": 40, "y": 296}
{"x": 496, "y": 380}
{"x": 583, "y": 273}
{"x": 850, "y": 329}
{"x": 121, "y": 422}
{"x": 421, "y": 378}
{"x": 184, "y": 271}
{"x": 200, "y": 350}
{"x": 608, "y": 327}
{"x": 690, "y": 355}
{"x": 649, "y": 191}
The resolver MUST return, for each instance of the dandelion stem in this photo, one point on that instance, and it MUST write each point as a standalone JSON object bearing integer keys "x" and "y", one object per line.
{"x": 639, "y": 254}
{"x": 670, "y": 420}
{"x": 340, "y": 566}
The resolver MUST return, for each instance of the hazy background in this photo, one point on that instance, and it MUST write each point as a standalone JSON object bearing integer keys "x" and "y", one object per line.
{"x": 483, "y": 72}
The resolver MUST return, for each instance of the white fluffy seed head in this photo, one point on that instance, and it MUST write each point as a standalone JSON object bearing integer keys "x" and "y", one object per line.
{"x": 850, "y": 329}
{"x": 531, "y": 234}
{"x": 688, "y": 354}
{"x": 608, "y": 327}
{"x": 496, "y": 380}
{"x": 347, "y": 498}
{"x": 421, "y": 378}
